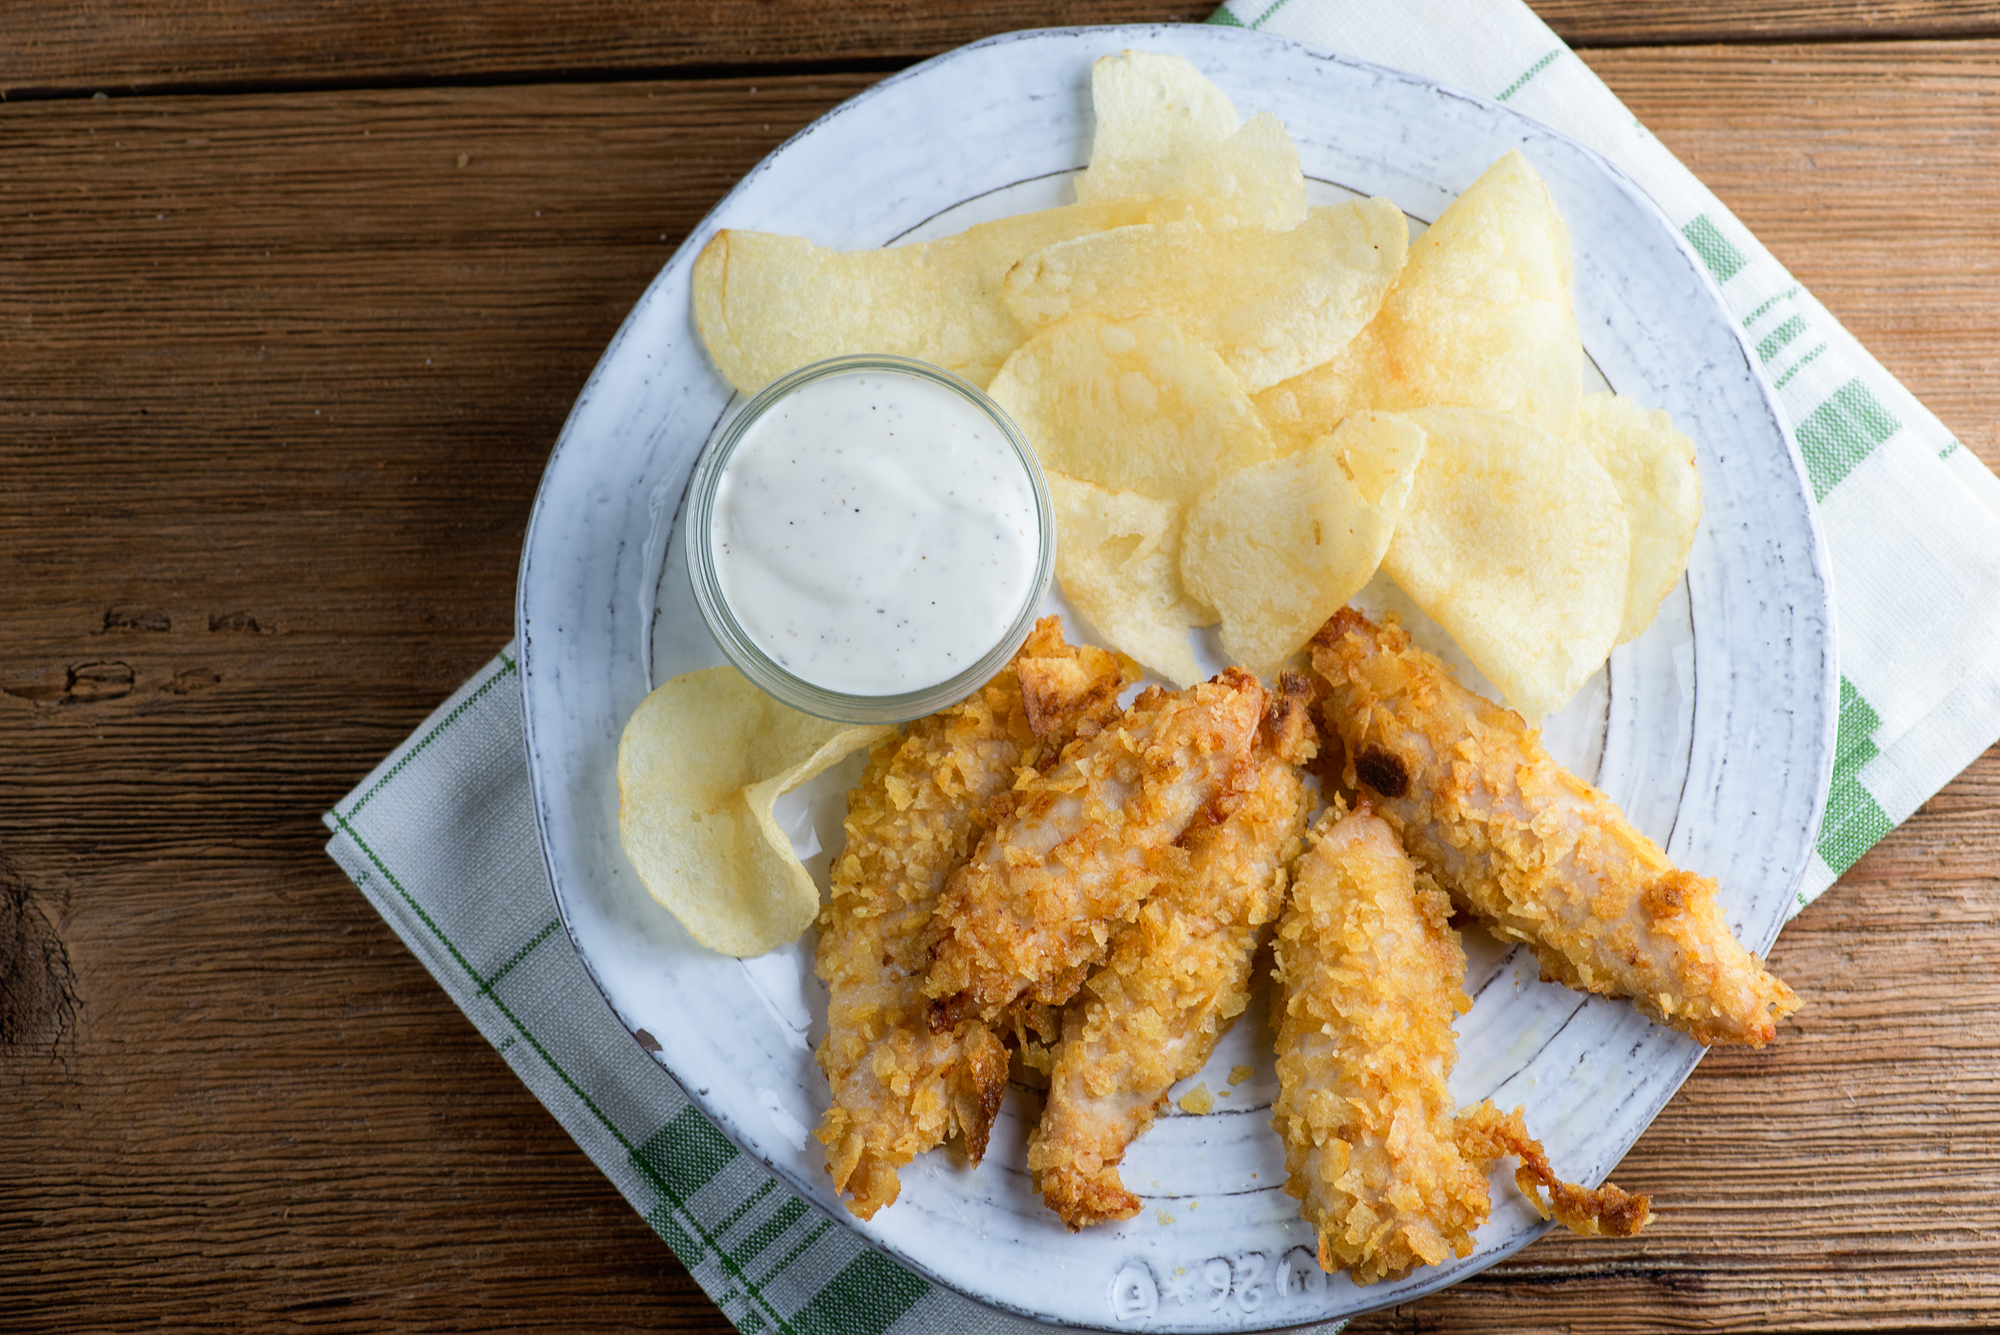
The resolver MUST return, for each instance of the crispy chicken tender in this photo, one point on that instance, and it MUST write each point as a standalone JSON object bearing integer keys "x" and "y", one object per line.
{"x": 1537, "y": 853}
{"x": 1083, "y": 847}
{"x": 1371, "y": 976}
{"x": 927, "y": 798}
{"x": 1176, "y": 979}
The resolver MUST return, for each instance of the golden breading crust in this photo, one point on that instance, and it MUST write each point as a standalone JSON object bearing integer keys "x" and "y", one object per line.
{"x": 1370, "y": 977}
{"x": 1527, "y": 846}
{"x": 1176, "y": 979}
{"x": 1083, "y": 846}
{"x": 927, "y": 798}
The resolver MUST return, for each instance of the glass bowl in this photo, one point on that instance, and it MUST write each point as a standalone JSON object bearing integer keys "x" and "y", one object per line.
{"x": 739, "y": 645}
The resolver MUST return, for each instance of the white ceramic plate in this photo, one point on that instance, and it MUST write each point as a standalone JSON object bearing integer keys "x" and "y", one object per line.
{"x": 1714, "y": 729}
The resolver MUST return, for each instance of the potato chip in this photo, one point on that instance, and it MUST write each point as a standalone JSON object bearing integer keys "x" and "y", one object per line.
{"x": 1515, "y": 541}
{"x": 1653, "y": 467}
{"x": 1166, "y": 132}
{"x": 1278, "y": 547}
{"x": 1118, "y": 560}
{"x": 1270, "y": 303}
{"x": 1482, "y": 317}
{"x": 1132, "y": 405}
{"x": 767, "y": 304}
{"x": 1154, "y": 113}
{"x": 701, "y": 762}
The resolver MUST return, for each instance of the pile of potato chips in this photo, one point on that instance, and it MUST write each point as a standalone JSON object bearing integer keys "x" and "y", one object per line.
{"x": 1247, "y": 405}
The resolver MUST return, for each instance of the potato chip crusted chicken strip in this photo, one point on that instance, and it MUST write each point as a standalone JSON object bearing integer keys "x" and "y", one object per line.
{"x": 1084, "y": 845}
{"x": 921, "y": 808}
{"x": 1370, "y": 977}
{"x": 1176, "y": 979}
{"x": 1534, "y": 851}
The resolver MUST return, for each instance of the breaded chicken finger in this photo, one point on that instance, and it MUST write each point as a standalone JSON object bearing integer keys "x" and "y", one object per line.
{"x": 1371, "y": 976}
{"x": 1082, "y": 848}
{"x": 1527, "y": 846}
{"x": 927, "y": 797}
{"x": 1176, "y": 979}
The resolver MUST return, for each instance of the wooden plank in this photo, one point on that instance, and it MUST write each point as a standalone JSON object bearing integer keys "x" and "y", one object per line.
{"x": 1589, "y": 23}
{"x": 273, "y": 1117}
{"x": 158, "y": 45}
{"x": 281, "y": 377}
{"x": 207, "y": 45}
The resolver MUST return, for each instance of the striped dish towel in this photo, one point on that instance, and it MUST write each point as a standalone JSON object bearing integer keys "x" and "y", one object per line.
{"x": 441, "y": 837}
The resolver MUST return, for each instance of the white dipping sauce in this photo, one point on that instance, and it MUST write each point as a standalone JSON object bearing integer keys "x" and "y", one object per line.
{"x": 875, "y": 533}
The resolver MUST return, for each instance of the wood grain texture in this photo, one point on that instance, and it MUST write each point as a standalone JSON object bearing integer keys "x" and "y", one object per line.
{"x": 122, "y": 46}
{"x": 281, "y": 379}
{"x": 280, "y": 375}
{"x": 160, "y": 45}
{"x": 1678, "y": 22}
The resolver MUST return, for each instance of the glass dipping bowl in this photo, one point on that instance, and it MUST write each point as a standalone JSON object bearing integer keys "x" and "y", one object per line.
{"x": 751, "y": 659}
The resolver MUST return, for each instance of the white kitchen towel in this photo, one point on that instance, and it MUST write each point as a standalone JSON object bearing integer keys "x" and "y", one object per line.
{"x": 441, "y": 836}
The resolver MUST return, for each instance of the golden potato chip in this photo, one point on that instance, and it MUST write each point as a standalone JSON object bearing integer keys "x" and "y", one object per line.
{"x": 1164, "y": 131}
{"x": 1154, "y": 113}
{"x": 1515, "y": 541}
{"x": 1270, "y": 303}
{"x": 1117, "y": 558}
{"x": 701, "y": 762}
{"x": 767, "y": 304}
{"x": 1278, "y": 547}
{"x": 1653, "y": 467}
{"x": 1132, "y": 405}
{"x": 1482, "y": 317}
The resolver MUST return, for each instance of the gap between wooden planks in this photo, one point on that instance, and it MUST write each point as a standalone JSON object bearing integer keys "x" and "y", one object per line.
{"x": 352, "y": 353}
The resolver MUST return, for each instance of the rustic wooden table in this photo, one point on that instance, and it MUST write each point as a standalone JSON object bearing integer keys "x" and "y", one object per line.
{"x": 293, "y": 300}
